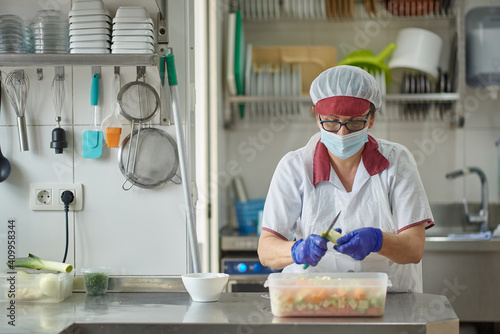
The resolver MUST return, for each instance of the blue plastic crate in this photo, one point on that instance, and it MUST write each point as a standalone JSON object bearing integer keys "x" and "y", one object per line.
{"x": 247, "y": 214}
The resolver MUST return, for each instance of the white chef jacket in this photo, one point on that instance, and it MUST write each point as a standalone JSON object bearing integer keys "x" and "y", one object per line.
{"x": 305, "y": 194}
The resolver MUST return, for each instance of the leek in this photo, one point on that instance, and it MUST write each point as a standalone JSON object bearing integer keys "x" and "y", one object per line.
{"x": 34, "y": 262}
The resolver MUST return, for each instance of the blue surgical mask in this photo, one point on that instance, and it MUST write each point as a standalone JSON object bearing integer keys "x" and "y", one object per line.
{"x": 344, "y": 146}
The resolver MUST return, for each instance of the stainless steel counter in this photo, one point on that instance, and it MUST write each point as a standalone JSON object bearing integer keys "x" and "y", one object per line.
{"x": 174, "y": 312}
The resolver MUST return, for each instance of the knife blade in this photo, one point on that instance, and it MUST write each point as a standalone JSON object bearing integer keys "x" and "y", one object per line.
{"x": 324, "y": 235}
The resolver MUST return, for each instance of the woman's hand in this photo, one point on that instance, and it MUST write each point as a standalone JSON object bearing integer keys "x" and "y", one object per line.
{"x": 310, "y": 250}
{"x": 361, "y": 242}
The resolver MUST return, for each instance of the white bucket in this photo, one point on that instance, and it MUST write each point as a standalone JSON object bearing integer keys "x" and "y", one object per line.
{"x": 417, "y": 49}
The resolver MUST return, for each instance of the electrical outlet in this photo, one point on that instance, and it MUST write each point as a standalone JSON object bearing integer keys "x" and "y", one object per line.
{"x": 47, "y": 196}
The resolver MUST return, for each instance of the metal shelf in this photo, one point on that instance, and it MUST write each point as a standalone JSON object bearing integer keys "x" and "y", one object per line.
{"x": 40, "y": 60}
{"x": 432, "y": 97}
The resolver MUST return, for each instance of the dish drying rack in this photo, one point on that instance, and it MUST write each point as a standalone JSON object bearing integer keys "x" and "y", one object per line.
{"x": 342, "y": 10}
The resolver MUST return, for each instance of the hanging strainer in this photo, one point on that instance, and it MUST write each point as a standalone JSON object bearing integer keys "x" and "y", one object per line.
{"x": 138, "y": 101}
{"x": 147, "y": 157}
{"x": 155, "y": 158}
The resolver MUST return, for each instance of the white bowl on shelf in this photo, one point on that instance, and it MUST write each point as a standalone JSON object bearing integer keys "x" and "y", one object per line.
{"x": 89, "y": 25}
{"x": 89, "y": 18}
{"x": 132, "y": 45}
{"x": 133, "y": 33}
{"x": 132, "y": 11}
{"x": 133, "y": 26}
{"x": 90, "y": 12}
{"x": 89, "y": 38}
{"x": 95, "y": 31}
{"x": 87, "y": 5}
{"x": 131, "y": 51}
{"x": 140, "y": 39}
{"x": 89, "y": 50}
{"x": 132, "y": 20}
{"x": 90, "y": 44}
{"x": 205, "y": 287}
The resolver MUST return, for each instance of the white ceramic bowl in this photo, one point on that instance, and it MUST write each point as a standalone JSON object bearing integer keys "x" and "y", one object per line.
{"x": 132, "y": 20}
{"x": 205, "y": 287}
{"x": 89, "y": 38}
{"x": 89, "y": 18}
{"x": 132, "y": 11}
{"x": 96, "y": 31}
{"x": 90, "y": 12}
{"x": 143, "y": 39}
{"x": 139, "y": 32}
{"x": 86, "y": 5}
{"x": 90, "y": 25}
{"x": 133, "y": 26}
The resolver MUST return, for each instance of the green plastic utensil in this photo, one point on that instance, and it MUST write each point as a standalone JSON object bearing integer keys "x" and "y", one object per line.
{"x": 366, "y": 60}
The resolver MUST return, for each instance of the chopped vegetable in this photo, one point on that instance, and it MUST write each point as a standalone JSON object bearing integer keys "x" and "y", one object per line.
{"x": 34, "y": 262}
{"x": 96, "y": 283}
{"x": 308, "y": 299}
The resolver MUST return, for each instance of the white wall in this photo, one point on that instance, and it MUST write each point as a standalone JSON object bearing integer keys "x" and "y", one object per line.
{"x": 136, "y": 232}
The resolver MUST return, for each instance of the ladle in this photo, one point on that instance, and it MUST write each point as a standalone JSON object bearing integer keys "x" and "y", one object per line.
{"x": 4, "y": 167}
{"x": 4, "y": 162}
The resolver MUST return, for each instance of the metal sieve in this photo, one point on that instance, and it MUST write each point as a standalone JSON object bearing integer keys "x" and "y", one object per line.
{"x": 155, "y": 162}
{"x": 139, "y": 102}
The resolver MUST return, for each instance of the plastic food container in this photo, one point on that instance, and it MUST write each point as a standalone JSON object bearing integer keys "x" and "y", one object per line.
{"x": 96, "y": 280}
{"x": 327, "y": 294}
{"x": 38, "y": 286}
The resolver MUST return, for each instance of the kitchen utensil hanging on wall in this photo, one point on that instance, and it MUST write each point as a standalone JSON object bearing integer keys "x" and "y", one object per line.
{"x": 155, "y": 158}
{"x": 186, "y": 184}
{"x": 112, "y": 125}
{"x": 143, "y": 151}
{"x": 5, "y": 167}
{"x": 92, "y": 138}
{"x": 58, "y": 93}
{"x": 17, "y": 86}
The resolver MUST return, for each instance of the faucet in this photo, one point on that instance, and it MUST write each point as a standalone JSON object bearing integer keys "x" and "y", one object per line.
{"x": 482, "y": 216}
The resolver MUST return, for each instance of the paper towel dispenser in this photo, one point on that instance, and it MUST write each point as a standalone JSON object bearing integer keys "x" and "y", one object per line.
{"x": 482, "y": 27}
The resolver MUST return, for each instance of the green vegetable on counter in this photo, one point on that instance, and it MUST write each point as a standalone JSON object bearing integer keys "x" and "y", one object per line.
{"x": 95, "y": 283}
{"x": 34, "y": 262}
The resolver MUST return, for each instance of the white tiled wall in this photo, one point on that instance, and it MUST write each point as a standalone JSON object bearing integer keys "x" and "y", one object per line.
{"x": 135, "y": 232}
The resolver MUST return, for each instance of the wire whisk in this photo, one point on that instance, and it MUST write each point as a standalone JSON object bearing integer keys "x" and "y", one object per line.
{"x": 17, "y": 85}
{"x": 58, "y": 95}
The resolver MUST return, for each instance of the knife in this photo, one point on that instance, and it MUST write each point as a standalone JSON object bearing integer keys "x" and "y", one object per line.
{"x": 323, "y": 235}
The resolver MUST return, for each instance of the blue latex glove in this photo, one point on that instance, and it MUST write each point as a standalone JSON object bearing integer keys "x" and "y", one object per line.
{"x": 310, "y": 250}
{"x": 361, "y": 242}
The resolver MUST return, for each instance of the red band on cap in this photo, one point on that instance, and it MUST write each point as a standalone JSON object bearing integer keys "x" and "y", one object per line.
{"x": 342, "y": 106}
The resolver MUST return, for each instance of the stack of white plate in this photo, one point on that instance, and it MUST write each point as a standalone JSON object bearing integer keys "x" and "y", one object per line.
{"x": 89, "y": 27}
{"x": 15, "y": 36}
{"x": 133, "y": 31}
{"x": 50, "y": 32}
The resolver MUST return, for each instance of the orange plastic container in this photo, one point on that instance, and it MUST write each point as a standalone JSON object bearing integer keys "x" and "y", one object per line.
{"x": 113, "y": 136}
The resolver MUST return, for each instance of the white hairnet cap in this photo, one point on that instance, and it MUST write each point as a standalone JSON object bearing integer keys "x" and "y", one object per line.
{"x": 342, "y": 89}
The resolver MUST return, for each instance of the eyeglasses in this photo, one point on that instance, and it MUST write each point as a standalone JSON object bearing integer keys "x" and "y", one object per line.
{"x": 335, "y": 126}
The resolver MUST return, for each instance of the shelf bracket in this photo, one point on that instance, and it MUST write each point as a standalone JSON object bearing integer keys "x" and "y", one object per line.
{"x": 96, "y": 70}
{"x": 162, "y": 35}
{"x": 59, "y": 72}
{"x": 141, "y": 73}
{"x": 162, "y": 8}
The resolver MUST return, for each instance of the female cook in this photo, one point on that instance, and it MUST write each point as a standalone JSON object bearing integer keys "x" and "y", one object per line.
{"x": 373, "y": 182}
